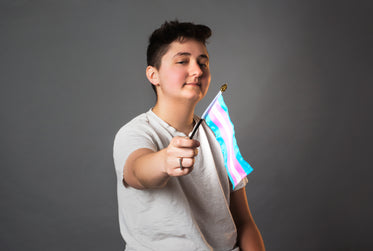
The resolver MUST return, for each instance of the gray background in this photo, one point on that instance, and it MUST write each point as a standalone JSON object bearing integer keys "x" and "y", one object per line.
{"x": 300, "y": 95}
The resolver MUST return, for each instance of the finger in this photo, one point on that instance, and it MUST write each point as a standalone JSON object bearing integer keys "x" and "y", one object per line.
{"x": 184, "y": 152}
{"x": 185, "y": 142}
{"x": 183, "y": 171}
{"x": 180, "y": 170}
{"x": 185, "y": 162}
{"x": 176, "y": 151}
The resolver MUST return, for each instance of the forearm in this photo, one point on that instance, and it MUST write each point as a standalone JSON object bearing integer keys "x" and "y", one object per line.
{"x": 249, "y": 237}
{"x": 145, "y": 169}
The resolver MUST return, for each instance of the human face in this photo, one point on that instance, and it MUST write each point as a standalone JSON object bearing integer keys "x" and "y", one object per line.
{"x": 184, "y": 73}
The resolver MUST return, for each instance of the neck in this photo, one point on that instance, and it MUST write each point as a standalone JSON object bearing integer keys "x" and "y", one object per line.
{"x": 179, "y": 115}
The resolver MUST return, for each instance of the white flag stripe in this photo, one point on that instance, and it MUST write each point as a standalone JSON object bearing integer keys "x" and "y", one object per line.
{"x": 211, "y": 105}
{"x": 227, "y": 126}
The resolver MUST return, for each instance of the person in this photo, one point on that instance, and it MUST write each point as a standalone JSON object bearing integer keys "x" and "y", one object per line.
{"x": 173, "y": 192}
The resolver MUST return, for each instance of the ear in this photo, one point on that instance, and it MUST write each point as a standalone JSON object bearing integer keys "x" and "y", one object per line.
{"x": 152, "y": 75}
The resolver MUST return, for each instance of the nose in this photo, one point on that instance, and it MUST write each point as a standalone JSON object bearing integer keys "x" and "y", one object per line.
{"x": 195, "y": 70}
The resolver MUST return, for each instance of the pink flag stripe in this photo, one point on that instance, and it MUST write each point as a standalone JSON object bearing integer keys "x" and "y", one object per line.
{"x": 234, "y": 175}
{"x": 222, "y": 121}
{"x": 228, "y": 135}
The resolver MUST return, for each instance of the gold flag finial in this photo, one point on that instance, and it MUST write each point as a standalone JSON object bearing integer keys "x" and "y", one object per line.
{"x": 223, "y": 87}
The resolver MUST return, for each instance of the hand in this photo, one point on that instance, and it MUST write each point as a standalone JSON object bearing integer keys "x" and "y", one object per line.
{"x": 180, "y": 147}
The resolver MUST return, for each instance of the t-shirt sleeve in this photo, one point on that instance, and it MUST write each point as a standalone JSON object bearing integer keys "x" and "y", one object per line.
{"x": 240, "y": 185}
{"x": 129, "y": 138}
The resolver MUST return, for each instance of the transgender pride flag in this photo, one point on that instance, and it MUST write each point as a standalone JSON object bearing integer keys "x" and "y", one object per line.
{"x": 217, "y": 118}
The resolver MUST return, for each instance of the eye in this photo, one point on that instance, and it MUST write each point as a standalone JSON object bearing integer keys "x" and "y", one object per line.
{"x": 202, "y": 65}
{"x": 182, "y": 61}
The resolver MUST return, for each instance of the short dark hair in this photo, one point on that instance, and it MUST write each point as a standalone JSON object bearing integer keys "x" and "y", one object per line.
{"x": 169, "y": 32}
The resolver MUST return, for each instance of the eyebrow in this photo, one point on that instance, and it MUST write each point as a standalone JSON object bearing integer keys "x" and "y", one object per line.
{"x": 189, "y": 54}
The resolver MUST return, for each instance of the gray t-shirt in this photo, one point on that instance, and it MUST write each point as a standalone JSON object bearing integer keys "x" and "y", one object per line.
{"x": 191, "y": 212}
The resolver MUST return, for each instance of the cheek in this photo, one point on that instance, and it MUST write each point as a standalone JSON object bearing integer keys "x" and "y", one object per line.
{"x": 207, "y": 79}
{"x": 175, "y": 76}
{"x": 207, "y": 76}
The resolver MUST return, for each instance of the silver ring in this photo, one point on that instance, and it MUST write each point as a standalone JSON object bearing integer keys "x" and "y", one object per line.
{"x": 180, "y": 162}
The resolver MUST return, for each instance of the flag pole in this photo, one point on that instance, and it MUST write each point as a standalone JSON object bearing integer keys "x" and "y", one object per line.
{"x": 222, "y": 89}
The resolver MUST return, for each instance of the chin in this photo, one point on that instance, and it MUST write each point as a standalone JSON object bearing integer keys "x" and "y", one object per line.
{"x": 194, "y": 97}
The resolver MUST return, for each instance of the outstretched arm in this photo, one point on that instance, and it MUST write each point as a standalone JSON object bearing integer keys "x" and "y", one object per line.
{"x": 249, "y": 237}
{"x": 145, "y": 168}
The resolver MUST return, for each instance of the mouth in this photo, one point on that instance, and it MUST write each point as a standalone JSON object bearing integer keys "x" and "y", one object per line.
{"x": 193, "y": 84}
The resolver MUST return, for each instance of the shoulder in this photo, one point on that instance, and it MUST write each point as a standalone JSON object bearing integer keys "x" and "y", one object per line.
{"x": 144, "y": 130}
{"x": 139, "y": 120}
{"x": 138, "y": 125}
{"x": 137, "y": 133}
